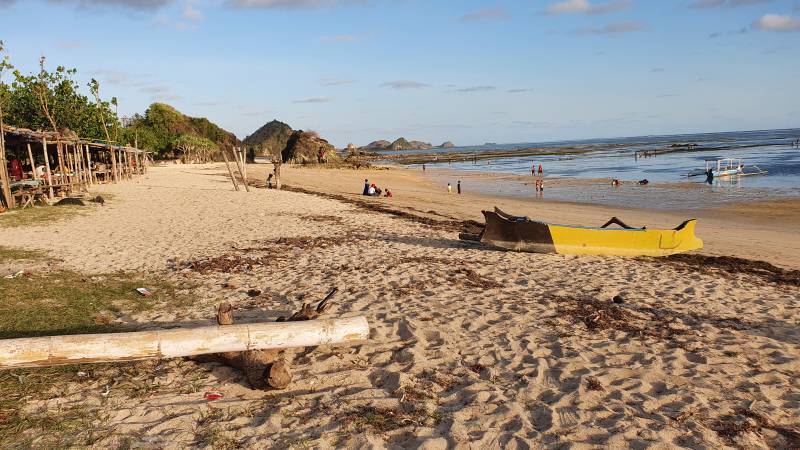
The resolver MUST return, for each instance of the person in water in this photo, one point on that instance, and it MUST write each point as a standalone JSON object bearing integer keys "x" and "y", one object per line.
{"x": 366, "y": 187}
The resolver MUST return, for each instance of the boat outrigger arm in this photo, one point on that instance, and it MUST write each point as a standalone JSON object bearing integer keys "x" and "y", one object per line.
{"x": 521, "y": 234}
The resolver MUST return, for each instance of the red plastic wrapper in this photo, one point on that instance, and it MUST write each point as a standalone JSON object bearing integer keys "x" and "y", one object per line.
{"x": 211, "y": 396}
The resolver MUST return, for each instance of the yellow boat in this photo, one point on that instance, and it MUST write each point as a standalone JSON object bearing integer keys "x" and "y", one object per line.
{"x": 521, "y": 234}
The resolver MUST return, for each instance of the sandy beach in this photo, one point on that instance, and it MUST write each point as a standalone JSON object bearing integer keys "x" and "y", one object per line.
{"x": 469, "y": 348}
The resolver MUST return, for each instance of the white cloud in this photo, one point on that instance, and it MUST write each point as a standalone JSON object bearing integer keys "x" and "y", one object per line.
{"x": 776, "y": 22}
{"x": 707, "y": 4}
{"x": 587, "y": 7}
{"x": 404, "y": 84}
{"x": 476, "y": 89}
{"x": 484, "y": 14}
{"x": 335, "y": 82}
{"x": 613, "y": 28}
{"x": 314, "y": 100}
{"x": 288, "y": 4}
{"x": 190, "y": 12}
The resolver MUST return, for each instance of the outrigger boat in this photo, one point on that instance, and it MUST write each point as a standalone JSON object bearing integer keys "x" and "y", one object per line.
{"x": 727, "y": 167}
{"x": 522, "y": 234}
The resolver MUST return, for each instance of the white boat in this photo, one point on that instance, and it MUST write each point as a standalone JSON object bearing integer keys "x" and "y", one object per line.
{"x": 727, "y": 167}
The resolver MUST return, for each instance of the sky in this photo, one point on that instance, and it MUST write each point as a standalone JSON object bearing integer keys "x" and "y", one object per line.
{"x": 465, "y": 71}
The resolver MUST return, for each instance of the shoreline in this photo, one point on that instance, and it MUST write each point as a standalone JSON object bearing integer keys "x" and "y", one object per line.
{"x": 757, "y": 231}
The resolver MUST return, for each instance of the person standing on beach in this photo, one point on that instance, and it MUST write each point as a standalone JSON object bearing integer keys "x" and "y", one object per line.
{"x": 540, "y": 169}
{"x": 449, "y": 188}
{"x": 533, "y": 169}
{"x": 458, "y": 187}
{"x": 366, "y": 187}
{"x": 423, "y": 167}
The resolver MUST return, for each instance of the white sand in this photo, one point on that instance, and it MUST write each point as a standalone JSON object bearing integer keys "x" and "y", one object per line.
{"x": 499, "y": 365}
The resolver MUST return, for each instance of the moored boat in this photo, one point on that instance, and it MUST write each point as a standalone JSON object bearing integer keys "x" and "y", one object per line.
{"x": 522, "y": 234}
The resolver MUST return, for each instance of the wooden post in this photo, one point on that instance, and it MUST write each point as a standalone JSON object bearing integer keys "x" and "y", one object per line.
{"x": 4, "y": 177}
{"x": 60, "y": 150}
{"x": 230, "y": 172}
{"x": 113, "y": 164}
{"x": 175, "y": 343}
{"x": 244, "y": 180}
{"x": 47, "y": 168}
{"x": 33, "y": 162}
{"x": 277, "y": 172}
{"x": 89, "y": 164}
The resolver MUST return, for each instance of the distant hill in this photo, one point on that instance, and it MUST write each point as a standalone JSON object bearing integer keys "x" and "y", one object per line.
{"x": 399, "y": 144}
{"x": 270, "y": 139}
{"x": 171, "y": 134}
{"x": 447, "y": 144}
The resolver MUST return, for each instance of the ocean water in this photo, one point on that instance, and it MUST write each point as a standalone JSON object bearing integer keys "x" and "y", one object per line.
{"x": 769, "y": 150}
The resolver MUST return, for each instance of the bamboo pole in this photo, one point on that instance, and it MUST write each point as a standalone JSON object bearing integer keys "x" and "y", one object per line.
{"x": 60, "y": 151}
{"x": 244, "y": 180}
{"x": 175, "y": 343}
{"x": 33, "y": 162}
{"x": 47, "y": 168}
{"x": 230, "y": 172}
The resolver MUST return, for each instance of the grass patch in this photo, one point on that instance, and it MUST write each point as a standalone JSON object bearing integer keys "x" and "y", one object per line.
{"x": 40, "y": 215}
{"x": 14, "y": 254}
{"x": 67, "y": 302}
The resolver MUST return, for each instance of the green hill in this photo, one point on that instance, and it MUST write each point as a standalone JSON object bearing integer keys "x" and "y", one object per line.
{"x": 270, "y": 139}
{"x": 170, "y": 134}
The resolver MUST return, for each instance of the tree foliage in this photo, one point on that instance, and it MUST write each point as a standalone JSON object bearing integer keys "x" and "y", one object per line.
{"x": 53, "y": 100}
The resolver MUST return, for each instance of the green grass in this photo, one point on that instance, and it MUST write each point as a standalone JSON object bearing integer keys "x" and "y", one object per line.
{"x": 13, "y": 254}
{"x": 40, "y": 215}
{"x": 67, "y": 302}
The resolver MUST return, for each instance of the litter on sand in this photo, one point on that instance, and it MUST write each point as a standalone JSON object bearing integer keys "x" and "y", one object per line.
{"x": 144, "y": 292}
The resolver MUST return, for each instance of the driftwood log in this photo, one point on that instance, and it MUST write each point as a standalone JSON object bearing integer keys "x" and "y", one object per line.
{"x": 265, "y": 369}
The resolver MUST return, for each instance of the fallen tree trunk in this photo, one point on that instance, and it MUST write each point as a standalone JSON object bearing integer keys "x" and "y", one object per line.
{"x": 265, "y": 368}
{"x": 110, "y": 347}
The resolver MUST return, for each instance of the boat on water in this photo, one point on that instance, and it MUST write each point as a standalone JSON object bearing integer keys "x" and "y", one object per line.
{"x": 727, "y": 167}
{"x": 522, "y": 234}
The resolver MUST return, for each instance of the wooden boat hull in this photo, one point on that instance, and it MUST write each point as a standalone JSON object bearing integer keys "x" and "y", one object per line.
{"x": 520, "y": 234}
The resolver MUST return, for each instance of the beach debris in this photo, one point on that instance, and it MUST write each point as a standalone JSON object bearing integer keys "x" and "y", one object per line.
{"x": 82, "y": 374}
{"x": 253, "y": 292}
{"x": 211, "y": 396}
{"x": 15, "y": 275}
{"x": 746, "y": 420}
{"x": 268, "y": 368}
{"x": 99, "y": 199}
{"x": 144, "y": 292}
{"x": 106, "y": 391}
{"x": 70, "y": 201}
{"x": 593, "y": 384}
{"x": 475, "y": 279}
{"x": 733, "y": 266}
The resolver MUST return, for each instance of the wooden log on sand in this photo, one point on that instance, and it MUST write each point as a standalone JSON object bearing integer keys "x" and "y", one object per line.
{"x": 109, "y": 347}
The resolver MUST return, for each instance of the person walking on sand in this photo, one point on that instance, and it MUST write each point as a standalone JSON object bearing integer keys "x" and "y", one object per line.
{"x": 423, "y": 167}
{"x": 458, "y": 187}
{"x": 449, "y": 188}
{"x": 366, "y": 187}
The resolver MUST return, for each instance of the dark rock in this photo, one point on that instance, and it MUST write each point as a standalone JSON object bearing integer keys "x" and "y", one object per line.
{"x": 618, "y": 299}
{"x": 306, "y": 147}
{"x": 253, "y": 292}
{"x": 69, "y": 201}
{"x": 99, "y": 199}
{"x": 447, "y": 144}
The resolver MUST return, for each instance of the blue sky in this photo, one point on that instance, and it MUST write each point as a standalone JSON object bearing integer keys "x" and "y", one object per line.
{"x": 467, "y": 71}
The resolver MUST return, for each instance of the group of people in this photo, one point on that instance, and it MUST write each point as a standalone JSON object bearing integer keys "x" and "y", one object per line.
{"x": 540, "y": 184}
{"x": 533, "y": 169}
{"x": 371, "y": 190}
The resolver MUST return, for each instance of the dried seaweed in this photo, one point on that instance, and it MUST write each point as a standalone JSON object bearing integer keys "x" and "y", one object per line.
{"x": 733, "y": 266}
